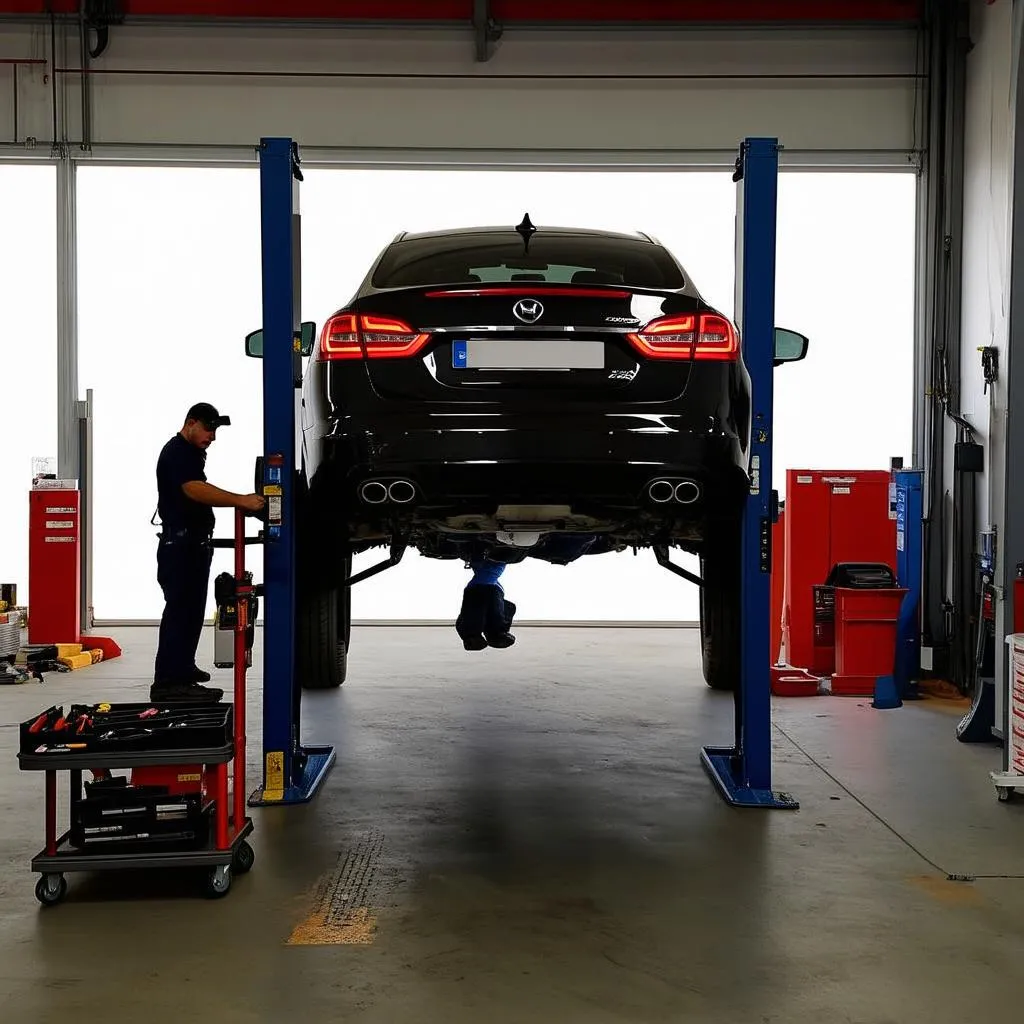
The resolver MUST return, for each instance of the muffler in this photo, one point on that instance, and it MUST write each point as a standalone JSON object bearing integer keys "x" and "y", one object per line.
{"x": 401, "y": 492}
{"x": 687, "y": 492}
{"x": 373, "y": 492}
{"x": 660, "y": 492}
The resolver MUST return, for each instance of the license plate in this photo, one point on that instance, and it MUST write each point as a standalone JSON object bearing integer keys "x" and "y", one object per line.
{"x": 527, "y": 354}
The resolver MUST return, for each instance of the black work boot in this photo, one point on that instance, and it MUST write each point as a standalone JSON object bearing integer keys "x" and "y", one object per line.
{"x": 499, "y": 620}
{"x": 187, "y": 692}
{"x": 470, "y": 623}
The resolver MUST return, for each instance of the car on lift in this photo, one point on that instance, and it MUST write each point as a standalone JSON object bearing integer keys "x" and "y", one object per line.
{"x": 516, "y": 392}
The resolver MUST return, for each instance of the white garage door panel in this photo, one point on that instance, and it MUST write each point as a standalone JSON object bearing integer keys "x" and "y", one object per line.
{"x": 501, "y": 104}
{"x": 506, "y": 115}
{"x": 521, "y": 52}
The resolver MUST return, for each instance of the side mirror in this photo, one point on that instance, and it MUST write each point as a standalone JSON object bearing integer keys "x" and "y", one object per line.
{"x": 790, "y": 347}
{"x": 254, "y": 341}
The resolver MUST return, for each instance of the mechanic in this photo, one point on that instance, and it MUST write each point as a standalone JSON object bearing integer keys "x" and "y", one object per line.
{"x": 184, "y": 553}
{"x": 485, "y": 618}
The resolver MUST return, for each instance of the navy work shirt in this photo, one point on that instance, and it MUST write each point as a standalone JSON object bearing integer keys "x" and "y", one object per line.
{"x": 180, "y": 463}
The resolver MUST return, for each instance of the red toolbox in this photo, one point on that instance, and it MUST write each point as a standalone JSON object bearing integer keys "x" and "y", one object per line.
{"x": 832, "y": 516}
{"x": 865, "y": 638}
{"x": 54, "y": 567}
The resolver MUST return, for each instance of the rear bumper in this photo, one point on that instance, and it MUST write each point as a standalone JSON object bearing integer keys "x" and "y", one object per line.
{"x": 476, "y": 461}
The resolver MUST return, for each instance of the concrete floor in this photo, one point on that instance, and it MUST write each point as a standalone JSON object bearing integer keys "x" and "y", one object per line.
{"x": 529, "y": 836}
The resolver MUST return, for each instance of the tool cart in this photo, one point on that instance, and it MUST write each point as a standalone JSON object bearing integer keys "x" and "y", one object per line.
{"x": 175, "y": 810}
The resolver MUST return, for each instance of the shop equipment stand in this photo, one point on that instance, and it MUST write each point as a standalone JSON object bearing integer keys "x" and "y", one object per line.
{"x": 225, "y": 849}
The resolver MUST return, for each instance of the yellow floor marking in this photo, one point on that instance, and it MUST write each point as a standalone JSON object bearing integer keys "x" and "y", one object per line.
{"x": 356, "y": 928}
{"x": 961, "y": 894}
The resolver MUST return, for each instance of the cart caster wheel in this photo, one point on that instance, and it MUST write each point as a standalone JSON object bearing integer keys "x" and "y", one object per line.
{"x": 219, "y": 882}
{"x": 51, "y": 889}
{"x": 245, "y": 856}
{"x": 1005, "y": 794}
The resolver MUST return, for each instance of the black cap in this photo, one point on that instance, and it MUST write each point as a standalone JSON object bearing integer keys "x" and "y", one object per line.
{"x": 208, "y": 416}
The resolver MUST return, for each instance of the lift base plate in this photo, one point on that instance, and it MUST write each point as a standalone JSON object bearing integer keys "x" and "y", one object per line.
{"x": 319, "y": 761}
{"x": 721, "y": 764}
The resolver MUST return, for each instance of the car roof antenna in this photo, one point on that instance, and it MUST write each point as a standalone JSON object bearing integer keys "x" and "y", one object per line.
{"x": 527, "y": 230}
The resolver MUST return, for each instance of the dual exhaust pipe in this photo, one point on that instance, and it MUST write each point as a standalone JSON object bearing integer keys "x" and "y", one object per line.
{"x": 681, "y": 492}
{"x": 381, "y": 492}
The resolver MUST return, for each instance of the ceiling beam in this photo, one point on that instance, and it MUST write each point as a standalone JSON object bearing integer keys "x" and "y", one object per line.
{"x": 536, "y": 12}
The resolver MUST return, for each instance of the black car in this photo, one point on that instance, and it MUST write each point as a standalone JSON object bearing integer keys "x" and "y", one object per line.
{"x": 523, "y": 392}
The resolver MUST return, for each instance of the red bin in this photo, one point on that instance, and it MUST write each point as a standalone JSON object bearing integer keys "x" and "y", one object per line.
{"x": 865, "y": 638}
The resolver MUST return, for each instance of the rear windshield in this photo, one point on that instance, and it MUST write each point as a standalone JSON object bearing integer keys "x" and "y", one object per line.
{"x": 561, "y": 259}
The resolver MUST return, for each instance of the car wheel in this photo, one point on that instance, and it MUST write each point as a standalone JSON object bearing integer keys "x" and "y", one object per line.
{"x": 720, "y": 598}
{"x": 322, "y": 633}
{"x": 323, "y": 615}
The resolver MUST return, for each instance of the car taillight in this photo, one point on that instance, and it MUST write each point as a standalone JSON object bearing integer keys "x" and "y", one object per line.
{"x": 686, "y": 336}
{"x": 346, "y": 335}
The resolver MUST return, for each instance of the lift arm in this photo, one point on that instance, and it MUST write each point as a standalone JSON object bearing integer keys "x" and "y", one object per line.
{"x": 661, "y": 554}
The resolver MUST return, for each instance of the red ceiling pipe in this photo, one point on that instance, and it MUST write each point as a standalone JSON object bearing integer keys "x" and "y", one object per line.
{"x": 506, "y": 11}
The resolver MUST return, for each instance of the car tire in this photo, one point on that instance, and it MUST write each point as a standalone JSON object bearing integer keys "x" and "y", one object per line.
{"x": 323, "y": 610}
{"x": 323, "y": 629}
{"x": 720, "y": 599}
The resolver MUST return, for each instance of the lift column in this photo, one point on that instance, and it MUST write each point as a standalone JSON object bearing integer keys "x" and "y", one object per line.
{"x": 743, "y": 772}
{"x": 291, "y": 773}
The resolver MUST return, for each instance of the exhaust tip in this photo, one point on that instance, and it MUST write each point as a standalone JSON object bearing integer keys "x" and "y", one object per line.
{"x": 660, "y": 491}
{"x": 687, "y": 492}
{"x": 401, "y": 492}
{"x": 373, "y": 493}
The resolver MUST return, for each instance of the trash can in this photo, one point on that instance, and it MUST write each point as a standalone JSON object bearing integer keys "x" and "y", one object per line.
{"x": 867, "y": 610}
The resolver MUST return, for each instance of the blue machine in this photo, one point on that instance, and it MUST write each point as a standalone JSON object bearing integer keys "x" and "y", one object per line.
{"x": 907, "y": 670}
{"x": 291, "y": 772}
{"x": 743, "y": 772}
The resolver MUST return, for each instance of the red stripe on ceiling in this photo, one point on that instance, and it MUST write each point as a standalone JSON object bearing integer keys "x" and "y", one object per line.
{"x": 507, "y": 11}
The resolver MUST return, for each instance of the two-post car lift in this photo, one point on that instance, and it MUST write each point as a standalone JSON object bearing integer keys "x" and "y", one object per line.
{"x": 743, "y": 772}
{"x": 292, "y": 772}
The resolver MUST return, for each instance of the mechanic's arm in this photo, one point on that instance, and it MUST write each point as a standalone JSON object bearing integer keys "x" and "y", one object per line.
{"x": 208, "y": 494}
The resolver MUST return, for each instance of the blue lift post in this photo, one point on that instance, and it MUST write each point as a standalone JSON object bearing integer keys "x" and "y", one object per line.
{"x": 909, "y": 512}
{"x": 291, "y": 773}
{"x": 743, "y": 772}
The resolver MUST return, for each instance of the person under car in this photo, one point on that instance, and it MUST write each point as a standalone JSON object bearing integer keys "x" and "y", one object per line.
{"x": 485, "y": 618}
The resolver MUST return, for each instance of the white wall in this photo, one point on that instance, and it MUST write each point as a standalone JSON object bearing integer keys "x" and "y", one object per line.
{"x": 28, "y": 352}
{"x": 502, "y": 105}
{"x": 988, "y": 176}
{"x": 169, "y": 271}
{"x": 986, "y": 284}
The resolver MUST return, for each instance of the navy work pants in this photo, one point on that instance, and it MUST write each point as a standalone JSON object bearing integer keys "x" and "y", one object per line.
{"x": 183, "y": 572}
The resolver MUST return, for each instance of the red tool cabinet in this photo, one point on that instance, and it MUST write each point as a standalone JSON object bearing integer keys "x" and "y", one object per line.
{"x": 831, "y": 516}
{"x": 54, "y": 567}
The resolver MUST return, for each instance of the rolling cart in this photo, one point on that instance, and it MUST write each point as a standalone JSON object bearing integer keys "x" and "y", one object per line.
{"x": 181, "y": 815}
